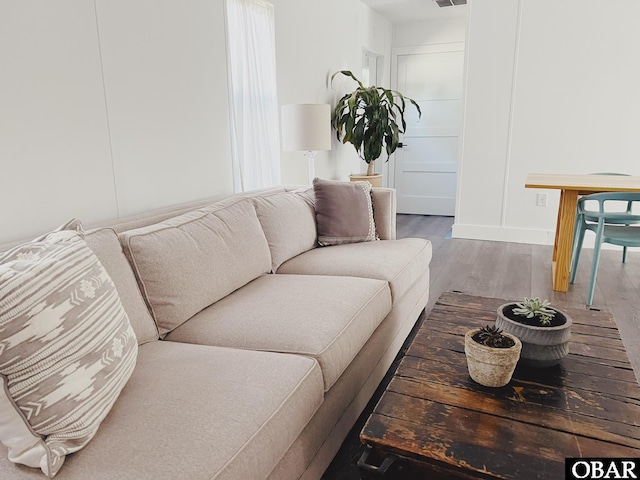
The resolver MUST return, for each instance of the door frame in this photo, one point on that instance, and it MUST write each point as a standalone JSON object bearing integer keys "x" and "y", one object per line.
{"x": 379, "y": 65}
{"x": 388, "y": 169}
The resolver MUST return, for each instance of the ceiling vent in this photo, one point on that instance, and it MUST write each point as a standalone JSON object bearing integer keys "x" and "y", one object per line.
{"x": 450, "y": 3}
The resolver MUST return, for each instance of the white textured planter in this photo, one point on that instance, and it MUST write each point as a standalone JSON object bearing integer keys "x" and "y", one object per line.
{"x": 541, "y": 346}
{"x": 491, "y": 367}
{"x": 375, "y": 180}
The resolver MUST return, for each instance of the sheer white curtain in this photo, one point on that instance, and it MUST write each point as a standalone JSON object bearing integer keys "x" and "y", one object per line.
{"x": 253, "y": 98}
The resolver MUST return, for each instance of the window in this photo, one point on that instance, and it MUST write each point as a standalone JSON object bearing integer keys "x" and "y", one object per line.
{"x": 253, "y": 101}
{"x": 371, "y": 67}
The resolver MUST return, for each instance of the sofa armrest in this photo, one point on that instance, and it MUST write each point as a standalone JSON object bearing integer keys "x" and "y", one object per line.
{"x": 384, "y": 212}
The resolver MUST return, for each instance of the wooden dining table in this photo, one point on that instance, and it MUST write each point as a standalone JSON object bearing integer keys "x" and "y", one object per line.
{"x": 571, "y": 187}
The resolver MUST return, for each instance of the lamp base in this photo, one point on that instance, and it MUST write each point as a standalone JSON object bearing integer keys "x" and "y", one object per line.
{"x": 311, "y": 156}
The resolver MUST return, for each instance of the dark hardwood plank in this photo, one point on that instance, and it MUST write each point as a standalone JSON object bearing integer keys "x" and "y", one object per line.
{"x": 448, "y": 442}
{"x": 452, "y": 363}
{"x": 522, "y": 403}
{"x": 432, "y": 412}
{"x": 453, "y": 437}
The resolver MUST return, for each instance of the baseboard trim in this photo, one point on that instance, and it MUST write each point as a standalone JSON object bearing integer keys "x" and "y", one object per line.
{"x": 520, "y": 235}
{"x": 504, "y": 234}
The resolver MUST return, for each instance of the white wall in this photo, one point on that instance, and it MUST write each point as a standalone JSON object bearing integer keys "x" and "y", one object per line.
{"x": 166, "y": 95}
{"x": 429, "y": 32}
{"x": 550, "y": 87}
{"x": 116, "y": 108}
{"x": 314, "y": 39}
{"x": 109, "y": 111}
{"x": 54, "y": 144}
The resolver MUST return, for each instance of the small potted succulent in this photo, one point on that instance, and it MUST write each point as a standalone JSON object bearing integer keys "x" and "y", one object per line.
{"x": 492, "y": 355}
{"x": 543, "y": 330}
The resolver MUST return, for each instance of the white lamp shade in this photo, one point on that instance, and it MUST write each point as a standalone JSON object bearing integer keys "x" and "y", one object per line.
{"x": 306, "y": 126}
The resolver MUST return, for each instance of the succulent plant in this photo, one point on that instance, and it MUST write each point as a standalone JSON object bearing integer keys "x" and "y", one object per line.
{"x": 534, "y": 307}
{"x": 492, "y": 336}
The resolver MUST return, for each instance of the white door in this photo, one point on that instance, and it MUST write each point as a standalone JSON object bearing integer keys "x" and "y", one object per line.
{"x": 424, "y": 170}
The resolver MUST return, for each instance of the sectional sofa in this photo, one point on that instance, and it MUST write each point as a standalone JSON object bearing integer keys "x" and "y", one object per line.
{"x": 257, "y": 349}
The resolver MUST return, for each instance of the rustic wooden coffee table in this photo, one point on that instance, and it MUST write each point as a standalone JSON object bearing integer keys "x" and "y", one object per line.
{"x": 433, "y": 421}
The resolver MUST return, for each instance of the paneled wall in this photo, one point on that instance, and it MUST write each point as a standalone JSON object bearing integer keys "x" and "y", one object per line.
{"x": 109, "y": 110}
{"x": 113, "y": 107}
{"x": 315, "y": 39}
{"x": 166, "y": 97}
{"x": 550, "y": 87}
{"x": 55, "y": 151}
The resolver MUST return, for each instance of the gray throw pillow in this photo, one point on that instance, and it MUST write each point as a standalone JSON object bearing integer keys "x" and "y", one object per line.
{"x": 344, "y": 212}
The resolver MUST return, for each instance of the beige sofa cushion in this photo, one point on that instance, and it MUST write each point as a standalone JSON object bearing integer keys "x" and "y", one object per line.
{"x": 105, "y": 244}
{"x": 336, "y": 314}
{"x": 289, "y": 223}
{"x": 66, "y": 349}
{"x": 197, "y": 412}
{"x": 186, "y": 263}
{"x": 399, "y": 262}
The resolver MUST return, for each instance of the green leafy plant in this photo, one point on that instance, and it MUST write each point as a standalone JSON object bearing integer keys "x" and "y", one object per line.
{"x": 371, "y": 118}
{"x": 534, "y": 307}
{"x": 491, "y": 336}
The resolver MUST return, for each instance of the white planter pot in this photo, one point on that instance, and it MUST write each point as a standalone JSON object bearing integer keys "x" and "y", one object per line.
{"x": 375, "y": 180}
{"x": 491, "y": 367}
{"x": 541, "y": 346}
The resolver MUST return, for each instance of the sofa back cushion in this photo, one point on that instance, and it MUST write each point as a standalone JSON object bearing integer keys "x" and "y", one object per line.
{"x": 189, "y": 262}
{"x": 289, "y": 223}
{"x": 106, "y": 246}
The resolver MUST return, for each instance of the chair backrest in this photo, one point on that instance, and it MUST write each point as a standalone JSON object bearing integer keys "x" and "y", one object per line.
{"x": 609, "y": 207}
{"x": 628, "y": 206}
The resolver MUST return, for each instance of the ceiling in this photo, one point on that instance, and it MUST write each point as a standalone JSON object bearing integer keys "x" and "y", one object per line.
{"x": 400, "y": 11}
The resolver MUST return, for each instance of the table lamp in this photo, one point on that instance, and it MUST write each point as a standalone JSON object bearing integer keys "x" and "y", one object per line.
{"x": 306, "y": 127}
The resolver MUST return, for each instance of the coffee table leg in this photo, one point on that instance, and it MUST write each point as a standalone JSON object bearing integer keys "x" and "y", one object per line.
{"x": 370, "y": 470}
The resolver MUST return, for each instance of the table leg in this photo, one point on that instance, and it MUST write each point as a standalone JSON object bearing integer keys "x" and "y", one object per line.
{"x": 564, "y": 239}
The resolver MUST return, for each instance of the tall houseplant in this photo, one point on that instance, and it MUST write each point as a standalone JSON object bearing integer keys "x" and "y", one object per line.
{"x": 371, "y": 118}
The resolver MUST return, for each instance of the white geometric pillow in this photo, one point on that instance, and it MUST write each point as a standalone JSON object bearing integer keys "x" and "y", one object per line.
{"x": 66, "y": 348}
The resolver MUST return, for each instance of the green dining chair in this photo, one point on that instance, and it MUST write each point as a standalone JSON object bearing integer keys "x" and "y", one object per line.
{"x": 618, "y": 227}
{"x": 577, "y": 224}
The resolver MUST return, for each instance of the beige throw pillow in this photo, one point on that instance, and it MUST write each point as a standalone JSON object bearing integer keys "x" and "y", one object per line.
{"x": 66, "y": 348}
{"x": 344, "y": 212}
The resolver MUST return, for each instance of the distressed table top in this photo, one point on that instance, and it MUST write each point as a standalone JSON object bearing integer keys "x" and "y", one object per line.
{"x": 434, "y": 414}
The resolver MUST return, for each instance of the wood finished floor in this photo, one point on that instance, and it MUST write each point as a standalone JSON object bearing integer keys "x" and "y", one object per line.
{"x": 513, "y": 271}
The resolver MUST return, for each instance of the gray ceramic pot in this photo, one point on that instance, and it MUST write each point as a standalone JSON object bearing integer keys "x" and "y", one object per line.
{"x": 541, "y": 346}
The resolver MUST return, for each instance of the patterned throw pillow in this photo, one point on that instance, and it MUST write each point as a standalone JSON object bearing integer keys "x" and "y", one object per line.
{"x": 344, "y": 212}
{"x": 66, "y": 348}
